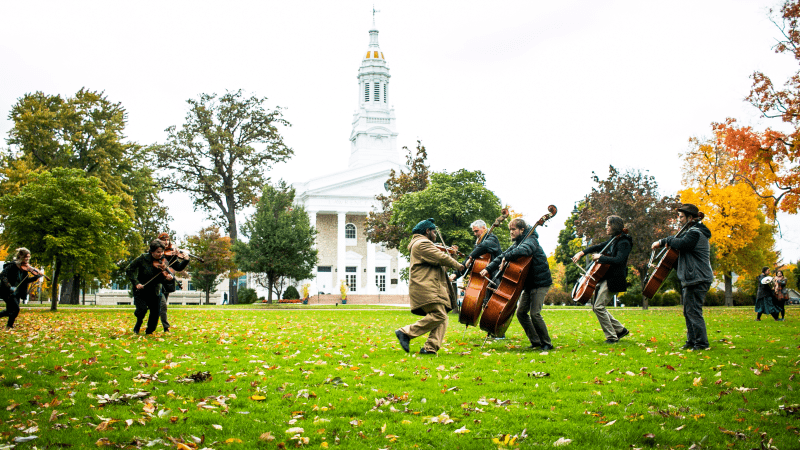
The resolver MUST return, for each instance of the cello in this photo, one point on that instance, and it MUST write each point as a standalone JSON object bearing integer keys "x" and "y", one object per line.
{"x": 475, "y": 292}
{"x": 500, "y": 307}
{"x": 585, "y": 287}
{"x": 667, "y": 257}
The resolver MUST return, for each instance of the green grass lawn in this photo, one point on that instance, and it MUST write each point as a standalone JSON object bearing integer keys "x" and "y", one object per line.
{"x": 320, "y": 378}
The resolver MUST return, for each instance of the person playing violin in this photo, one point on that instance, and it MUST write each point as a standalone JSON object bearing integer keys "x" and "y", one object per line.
{"x": 614, "y": 280}
{"x": 490, "y": 244}
{"x": 537, "y": 282}
{"x": 14, "y": 281}
{"x": 427, "y": 289}
{"x": 147, "y": 273}
{"x": 176, "y": 261}
{"x": 694, "y": 272}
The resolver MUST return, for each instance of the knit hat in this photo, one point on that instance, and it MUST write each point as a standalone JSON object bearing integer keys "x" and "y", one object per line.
{"x": 163, "y": 236}
{"x": 423, "y": 226}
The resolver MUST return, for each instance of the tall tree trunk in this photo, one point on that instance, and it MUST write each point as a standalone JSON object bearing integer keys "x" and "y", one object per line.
{"x": 728, "y": 289}
{"x": 208, "y": 294}
{"x": 233, "y": 285}
{"x": 83, "y": 291}
{"x": 70, "y": 291}
{"x": 54, "y": 286}
{"x": 270, "y": 283}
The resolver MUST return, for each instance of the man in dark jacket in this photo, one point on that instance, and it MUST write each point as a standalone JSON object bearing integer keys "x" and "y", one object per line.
{"x": 14, "y": 282}
{"x": 537, "y": 282}
{"x": 694, "y": 272}
{"x": 146, "y": 280}
{"x": 490, "y": 244}
{"x": 616, "y": 255}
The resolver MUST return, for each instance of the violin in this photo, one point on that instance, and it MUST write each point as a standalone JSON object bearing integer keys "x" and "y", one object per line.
{"x": 164, "y": 267}
{"x": 475, "y": 292}
{"x": 668, "y": 258}
{"x": 171, "y": 251}
{"x": 449, "y": 250}
{"x": 500, "y": 307}
{"x": 33, "y": 271}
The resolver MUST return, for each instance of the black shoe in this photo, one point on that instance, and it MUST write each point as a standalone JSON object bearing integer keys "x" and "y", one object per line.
{"x": 403, "y": 338}
{"x": 533, "y": 346}
{"x": 546, "y": 347}
{"x": 135, "y": 331}
{"x": 687, "y": 346}
{"x": 422, "y": 351}
{"x": 699, "y": 347}
{"x": 623, "y": 333}
{"x": 610, "y": 342}
{"x": 166, "y": 330}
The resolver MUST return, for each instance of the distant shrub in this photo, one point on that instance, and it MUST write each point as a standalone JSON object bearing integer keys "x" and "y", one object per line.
{"x": 247, "y": 295}
{"x": 291, "y": 293}
{"x": 558, "y": 297}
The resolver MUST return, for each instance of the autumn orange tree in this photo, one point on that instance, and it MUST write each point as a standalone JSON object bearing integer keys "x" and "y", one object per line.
{"x": 742, "y": 239}
{"x": 769, "y": 160}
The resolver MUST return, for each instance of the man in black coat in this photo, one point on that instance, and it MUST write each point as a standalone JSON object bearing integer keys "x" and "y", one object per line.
{"x": 490, "y": 244}
{"x": 694, "y": 272}
{"x": 537, "y": 282}
{"x": 146, "y": 280}
{"x": 614, "y": 280}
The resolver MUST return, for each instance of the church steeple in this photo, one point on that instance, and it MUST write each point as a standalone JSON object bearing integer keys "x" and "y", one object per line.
{"x": 374, "y": 135}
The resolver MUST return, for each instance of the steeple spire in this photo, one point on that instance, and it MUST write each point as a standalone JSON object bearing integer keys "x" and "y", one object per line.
{"x": 374, "y": 135}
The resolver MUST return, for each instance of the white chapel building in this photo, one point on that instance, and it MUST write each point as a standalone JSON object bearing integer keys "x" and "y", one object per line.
{"x": 338, "y": 203}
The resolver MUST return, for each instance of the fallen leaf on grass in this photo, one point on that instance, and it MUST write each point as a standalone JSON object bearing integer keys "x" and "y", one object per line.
{"x": 561, "y": 441}
{"x": 216, "y": 427}
{"x": 267, "y": 437}
{"x": 610, "y": 423}
{"x": 462, "y": 430}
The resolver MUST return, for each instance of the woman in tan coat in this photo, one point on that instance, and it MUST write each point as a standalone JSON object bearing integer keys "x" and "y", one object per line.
{"x": 427, "y": 288}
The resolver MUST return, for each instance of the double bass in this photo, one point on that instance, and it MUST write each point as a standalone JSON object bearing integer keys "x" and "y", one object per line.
{"x": 475, "y": 292}
{"x": 587, "y": 284}
{"x": 667, "y": 258}
{"x": 500, "y": 307}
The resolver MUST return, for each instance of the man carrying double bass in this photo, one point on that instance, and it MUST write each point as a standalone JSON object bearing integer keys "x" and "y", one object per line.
{"x": 490, "y": 244}
{"x": 694, "y": 272}
{"x": 537, "y": 282}
{"x": 616, "y": 256}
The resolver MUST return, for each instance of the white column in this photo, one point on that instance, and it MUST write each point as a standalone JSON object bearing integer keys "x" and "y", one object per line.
{"x": 312, "y": 290}
{"x": 371, "y": 288}
{"x": 340, "y": 251}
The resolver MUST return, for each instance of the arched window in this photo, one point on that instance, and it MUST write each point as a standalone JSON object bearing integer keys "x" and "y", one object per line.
{"x": 349, "y": 231}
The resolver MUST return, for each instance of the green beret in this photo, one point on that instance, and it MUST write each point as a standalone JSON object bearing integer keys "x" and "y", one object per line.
{"x": 423, "y": 226}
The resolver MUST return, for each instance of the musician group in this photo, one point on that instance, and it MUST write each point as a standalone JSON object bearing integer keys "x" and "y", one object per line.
{"x": 429, "y": 283}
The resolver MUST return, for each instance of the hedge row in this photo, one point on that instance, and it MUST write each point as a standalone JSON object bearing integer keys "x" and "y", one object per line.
{"x": 669, "y": 298}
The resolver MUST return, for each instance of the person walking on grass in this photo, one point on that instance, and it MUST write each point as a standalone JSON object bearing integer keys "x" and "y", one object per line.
{"x": 428, "y": 289}
{"x": 764, "y": 304}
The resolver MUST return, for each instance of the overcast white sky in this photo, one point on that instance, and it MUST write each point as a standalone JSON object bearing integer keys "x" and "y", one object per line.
{"x": 537, "y": 94}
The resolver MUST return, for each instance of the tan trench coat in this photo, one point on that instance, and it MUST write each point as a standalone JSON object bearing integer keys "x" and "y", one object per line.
{"x": 427, "y": 275}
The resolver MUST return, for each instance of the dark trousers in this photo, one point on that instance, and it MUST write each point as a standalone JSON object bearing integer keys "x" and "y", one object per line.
{"x": 163, "y": 312}
{"x": 151, "y": 303}
{"x": 693, "y": 298}
{"x": 781, "y": 306}
{"x": 11, "y": 311}
{"x": 529, "y": 314}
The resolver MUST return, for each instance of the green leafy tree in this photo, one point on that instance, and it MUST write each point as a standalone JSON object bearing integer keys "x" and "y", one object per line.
{"x": 634, "y": 197}
{"x": 280, "y": 239}
{"x": 569, "y": 244}
{"x": 64, "y": 215}
{"x": 378, "y": 225}
{"x": 84, "y": 132}
{"x": 221, "y": 155}
{"x": 454, "y": 200}
{"x": 215, "y": 251}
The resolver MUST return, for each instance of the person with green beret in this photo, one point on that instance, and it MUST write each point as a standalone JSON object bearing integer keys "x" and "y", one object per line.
{"x": 427, "y": 288}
